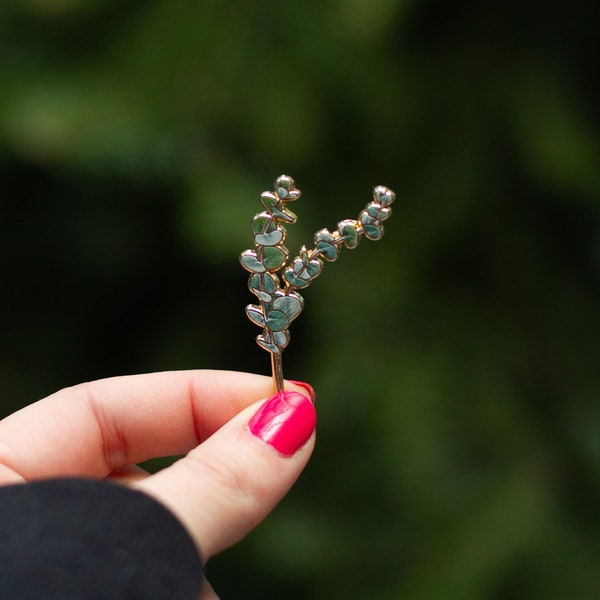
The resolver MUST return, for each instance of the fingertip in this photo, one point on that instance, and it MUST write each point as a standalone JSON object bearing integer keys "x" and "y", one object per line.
{"x": 285, "y": 421}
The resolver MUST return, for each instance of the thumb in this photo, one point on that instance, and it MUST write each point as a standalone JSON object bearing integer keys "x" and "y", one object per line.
{"x": 223, "y": 488}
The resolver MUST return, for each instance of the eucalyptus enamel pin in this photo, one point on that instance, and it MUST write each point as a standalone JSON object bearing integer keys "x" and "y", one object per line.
{"x": 275, "y": 282}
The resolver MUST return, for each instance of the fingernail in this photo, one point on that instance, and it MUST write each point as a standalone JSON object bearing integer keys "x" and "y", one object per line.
{"x": 285, "y": 421}
{"x": 309, "y": 388}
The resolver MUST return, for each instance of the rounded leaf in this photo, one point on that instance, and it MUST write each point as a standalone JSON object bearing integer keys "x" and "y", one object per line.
{"x": 263, "y": 285}
{"x": 276, "y": 320}
{"x": 273, "y": 238}
{"x": 373, "y": 232}
{"x": 251, "y": 262}
{"x": 255, "y": 314}
{"x": 314, "y": 268}
{"x": 274, "y": 257}
{"x": 296, "y": 282}
{"x": 372, "y": 228}
{"x": 269, "y": 200}
{"x": 266, "y": 230}
{"x": 290, "y": 304}
{"x": 283, "y": 185}
{"x": 377, "y": 211}
{"x": 349, "y": 232}
{"x": 281, "y": 338}
{"x": 325, "y": 244}
{"x": 383, "y": 195}
{"x": 267, "y": 344}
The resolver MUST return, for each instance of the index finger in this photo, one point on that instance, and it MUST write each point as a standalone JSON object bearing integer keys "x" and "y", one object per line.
{"x": 93, "y": 428}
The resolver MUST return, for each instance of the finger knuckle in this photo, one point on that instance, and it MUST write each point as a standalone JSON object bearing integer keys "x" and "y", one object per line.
{"x": 233, "y": 481}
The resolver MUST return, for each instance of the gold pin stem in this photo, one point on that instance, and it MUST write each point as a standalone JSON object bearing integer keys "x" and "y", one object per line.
{"x": 277, "y": 369}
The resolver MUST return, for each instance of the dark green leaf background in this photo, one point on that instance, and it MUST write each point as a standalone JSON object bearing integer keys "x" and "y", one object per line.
{"x": 455, "y": 360}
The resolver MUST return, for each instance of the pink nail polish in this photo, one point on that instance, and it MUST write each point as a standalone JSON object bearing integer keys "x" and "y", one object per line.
{"x": 285, "y": 421}
{"x": 309, "y": 388}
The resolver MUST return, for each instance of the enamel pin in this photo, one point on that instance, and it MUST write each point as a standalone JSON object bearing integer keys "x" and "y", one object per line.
{"x": 275, "y": 282}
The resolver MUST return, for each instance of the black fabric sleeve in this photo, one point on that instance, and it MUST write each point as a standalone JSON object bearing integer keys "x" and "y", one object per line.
{"x": 77, "y": 538}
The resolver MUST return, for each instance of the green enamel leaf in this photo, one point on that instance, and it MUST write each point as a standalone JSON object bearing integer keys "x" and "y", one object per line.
{"x": 377, "y": 211}
{"x": 263, "y": 223}
{"x": 266, "y": 231}
{"x": 314, "y": 268}
{"x": 274, "y": 258}
{"x": 255, "y": 315}
{"x": 327, "y": 251}
{"x": 263, "y": 285}
{"x": 281, "y": 338}
{"x": 325, "y": 245}
{"x": 291, "y": 305}
{"x": 349, "y": 233}
{"x": 372, "y": 227}
{"x": 276, "y": 320}
{"x": 269, "y": 239}
{"x": 267, "y": 345}
{"x": 269, "y": 200}
{"x": 384, "y": 195}
{"x": 250, "y": 262}
{"x": 293, "y": 279}
{"x": 373, "y": 232}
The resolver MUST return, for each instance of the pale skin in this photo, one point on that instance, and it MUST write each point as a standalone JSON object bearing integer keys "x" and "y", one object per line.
{"x": 226, "y": 484}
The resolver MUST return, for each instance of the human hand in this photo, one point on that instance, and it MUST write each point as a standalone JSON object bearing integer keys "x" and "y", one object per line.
{"x": 226, "y": 484}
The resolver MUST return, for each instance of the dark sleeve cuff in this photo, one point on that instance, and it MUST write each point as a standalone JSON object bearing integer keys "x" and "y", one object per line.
{"x": 77, "y": 538}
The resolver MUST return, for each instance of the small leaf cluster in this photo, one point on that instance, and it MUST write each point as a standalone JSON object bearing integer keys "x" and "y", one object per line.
{"x": 278, "y": 306}
{"x": 309, "y": 264}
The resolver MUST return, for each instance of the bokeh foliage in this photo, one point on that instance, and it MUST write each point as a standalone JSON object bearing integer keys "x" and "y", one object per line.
{"x": 455, "y": 361}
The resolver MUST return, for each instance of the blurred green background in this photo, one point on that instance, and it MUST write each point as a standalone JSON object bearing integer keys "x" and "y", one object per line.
{"x": 459, "y": 437}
